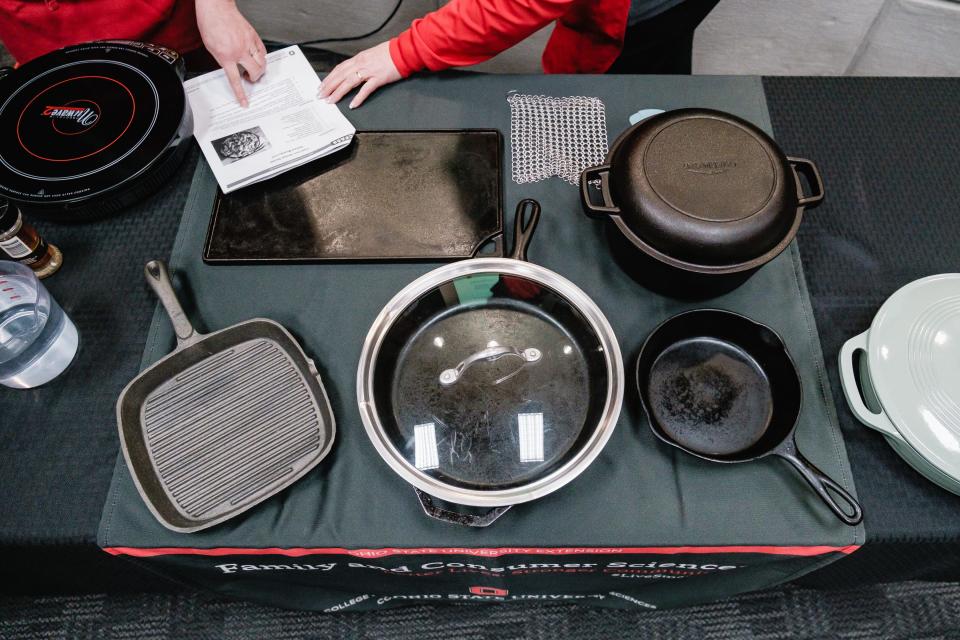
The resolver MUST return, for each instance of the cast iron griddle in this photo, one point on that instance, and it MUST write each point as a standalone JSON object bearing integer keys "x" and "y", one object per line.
{"x": 391, "y": 195}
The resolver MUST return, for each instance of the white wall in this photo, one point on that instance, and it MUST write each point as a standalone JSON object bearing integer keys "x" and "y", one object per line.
{"x": 830, "y": 37}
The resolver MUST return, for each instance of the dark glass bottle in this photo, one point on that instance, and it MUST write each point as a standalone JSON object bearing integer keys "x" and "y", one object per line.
{"x": 20, "y": 241}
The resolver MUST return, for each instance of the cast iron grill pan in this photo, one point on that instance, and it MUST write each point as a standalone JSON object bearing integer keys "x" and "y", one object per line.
{"x": 222, "y": 423}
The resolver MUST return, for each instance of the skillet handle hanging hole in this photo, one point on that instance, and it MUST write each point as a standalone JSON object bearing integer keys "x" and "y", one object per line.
{"x": 600, "y": 177}
{"x": 844, "y": 505}
{"x": 159, "y": 280}
{"x": 453, "y": 517}
{"x": 524, "y": 224}
{"x": 806, "y": 168}
{"x": 851, "y": 388}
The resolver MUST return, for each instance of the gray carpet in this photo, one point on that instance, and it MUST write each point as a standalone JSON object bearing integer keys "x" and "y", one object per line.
{"x": 913, "y": 610}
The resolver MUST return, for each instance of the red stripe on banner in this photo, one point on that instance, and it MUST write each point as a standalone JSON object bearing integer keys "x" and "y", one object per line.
{"x": 489, "y": 552}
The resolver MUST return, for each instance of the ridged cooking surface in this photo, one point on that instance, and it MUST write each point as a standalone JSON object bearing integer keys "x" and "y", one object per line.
{"x": 230, "y": 426}
{"x": 932, "y": 350}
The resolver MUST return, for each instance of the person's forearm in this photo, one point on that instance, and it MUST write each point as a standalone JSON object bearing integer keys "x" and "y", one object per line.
{"x": 466, "y": 32}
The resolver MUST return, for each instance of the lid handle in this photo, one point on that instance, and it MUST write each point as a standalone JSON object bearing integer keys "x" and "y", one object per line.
{"x": 802, "y": 166}
{"x": 493, "y": 352}
{"x": 524, "y": 225}
{"x": 601, "y": 174}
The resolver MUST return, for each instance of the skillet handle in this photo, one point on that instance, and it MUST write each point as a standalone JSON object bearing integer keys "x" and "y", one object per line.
{"x": 159, "y": 280}
{"x": 808, "y": 169}
{"x": 452, "y": 517}
{"x": 524, "y": 226}
{"x": 825, "y": 486}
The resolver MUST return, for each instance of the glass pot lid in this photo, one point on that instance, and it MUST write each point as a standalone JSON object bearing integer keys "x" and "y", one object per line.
{"x": 491, "y": 387}
{"x": 489, "y": 381}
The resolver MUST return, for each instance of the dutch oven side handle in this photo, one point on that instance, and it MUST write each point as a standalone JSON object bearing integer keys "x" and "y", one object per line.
{"x": 802, "y": 166}
{"x": 601, "y": 173}
{"x": 5, "y": 71}
{"x": 452, "y": 517}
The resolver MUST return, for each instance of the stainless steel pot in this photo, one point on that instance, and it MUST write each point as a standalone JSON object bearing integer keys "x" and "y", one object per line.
{"x": 490, "y": 382}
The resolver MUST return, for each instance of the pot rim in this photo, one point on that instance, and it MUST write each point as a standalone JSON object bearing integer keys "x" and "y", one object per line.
{"x": 538, "y": 487}
{"x": 710, "y": 269}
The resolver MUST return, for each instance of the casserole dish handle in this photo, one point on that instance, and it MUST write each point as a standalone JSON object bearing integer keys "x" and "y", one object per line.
{"x": 601, "y": 173}
{"x": 453, "y": 517}
{"x": 806, "y": 168}
{"x": 878, "y": 421}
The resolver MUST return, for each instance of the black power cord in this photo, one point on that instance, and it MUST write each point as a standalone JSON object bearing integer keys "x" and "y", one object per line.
{"x": 309, "y": 43}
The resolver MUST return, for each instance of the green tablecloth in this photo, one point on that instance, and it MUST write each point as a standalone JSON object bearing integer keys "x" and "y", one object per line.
{"x": 351, "y": 534}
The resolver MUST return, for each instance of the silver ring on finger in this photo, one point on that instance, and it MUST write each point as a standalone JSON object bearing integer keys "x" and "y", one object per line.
{"x": 359, "y": 77}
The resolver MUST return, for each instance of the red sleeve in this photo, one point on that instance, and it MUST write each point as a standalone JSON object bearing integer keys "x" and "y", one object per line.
{"x": 466, "y": 32}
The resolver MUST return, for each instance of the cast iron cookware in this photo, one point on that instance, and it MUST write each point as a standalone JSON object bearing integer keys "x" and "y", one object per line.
{"x": 724, "y": 388}
{"x": 224, "y": 421}
{"x": 700, "y": 199}
{"x": 490, "y": 382}
{"x": 357, "y": 204}
{"x": 91, "y": 128}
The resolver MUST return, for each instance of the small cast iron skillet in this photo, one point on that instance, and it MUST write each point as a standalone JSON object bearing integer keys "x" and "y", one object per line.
{"x": 724, "y": 388}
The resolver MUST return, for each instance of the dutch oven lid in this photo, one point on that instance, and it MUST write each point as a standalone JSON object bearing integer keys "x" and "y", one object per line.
{"x": 86, "y": 120}
{"x": 703, "y": 186}
{"x": 490, "y": 381}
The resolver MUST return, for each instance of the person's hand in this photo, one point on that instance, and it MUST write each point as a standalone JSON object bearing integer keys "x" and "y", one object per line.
{"x": 232, "y": 42}
{"x": 372, "y": 68}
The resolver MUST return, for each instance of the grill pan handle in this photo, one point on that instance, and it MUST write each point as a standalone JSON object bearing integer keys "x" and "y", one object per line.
{"x": 159, "y": 280}
{"x": 452, "y": 517}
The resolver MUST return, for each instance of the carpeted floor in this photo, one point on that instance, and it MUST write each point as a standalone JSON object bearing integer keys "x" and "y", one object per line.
{"x": 908, "y": 611}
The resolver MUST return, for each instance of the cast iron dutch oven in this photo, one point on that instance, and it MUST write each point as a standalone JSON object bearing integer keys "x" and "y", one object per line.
{"x": 700, "y": 199}
{"x": 490, "y": 382}
{"x": 92, "y": 128}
